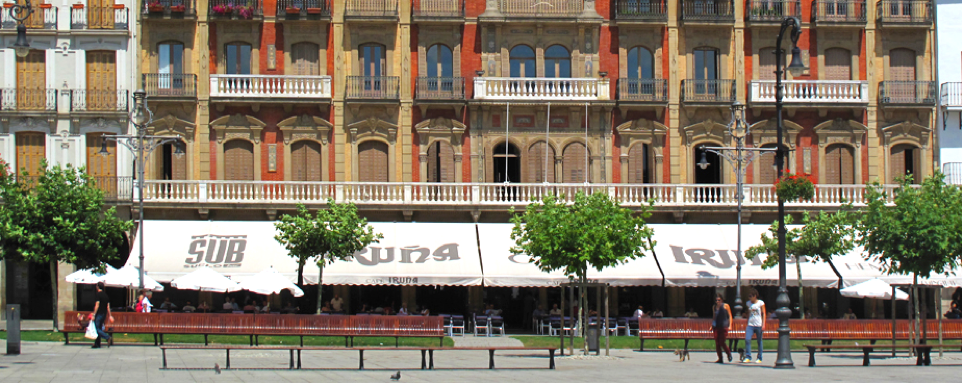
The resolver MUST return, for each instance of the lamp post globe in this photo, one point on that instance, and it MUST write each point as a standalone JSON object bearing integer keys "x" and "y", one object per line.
{"x": 21, "y": 47}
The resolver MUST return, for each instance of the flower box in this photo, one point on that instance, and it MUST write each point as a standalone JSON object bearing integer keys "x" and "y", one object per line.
{"x": 77, "y": 6}
{"x": 155, "y": 8}
{"x": 792, "y": 187}
{"x": 119, "y": 6}
{"x": 178, "y": 8}
{"x": 8, "y": 5}
{"x": 223, "y": 10}
{"x": 293, "y": 10}
{"x": 314, "y": 11}
{"x": 46, "y": 6}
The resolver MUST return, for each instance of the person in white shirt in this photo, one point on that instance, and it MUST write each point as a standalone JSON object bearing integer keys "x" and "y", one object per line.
{"x": 639, "y": 313}
{"x": 147, "y": 306}
{"x": 691, "y": 313}
{"x": 227, "y": 305}
{"x": 403, "y": 310}
{"x": 337, "y": 303}
{"x": 756, "y": 322}
{"x": 555, "y": 311}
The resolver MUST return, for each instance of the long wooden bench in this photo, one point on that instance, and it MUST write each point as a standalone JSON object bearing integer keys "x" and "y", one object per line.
{"x": 923, "y": 351}
{"x": 825, "y": 330}
{"x": 427, "y": 353}
{"x": 256, "y": 325}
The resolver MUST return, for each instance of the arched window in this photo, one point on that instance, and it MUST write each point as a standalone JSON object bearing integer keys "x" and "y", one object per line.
{"x": 372, "y": 161}
{"x": 440, "y": 61}
{"x": 440, "y": 162}
{"x": 522, "y": 62}
{"x": 538, "y": 155}
{"x": 506, "y": 163}
{"x": 573, "y": 164}
{"x": 238, "y": 58}
{"x": 767, "y": 173}
{"x": 305, "y": 59}
{"x": 839, "y": 165}
{"x": 372, "y": 60}
{"x": 706, "y": 71}
{"x": 904, "y": 161}
{"x": 639, "y": 165}
{"x": 306, "y": 161}
{"x": 900, "y": 87}
{"x": 557, "y": 62}
{"x": 172, "y": 166}
{"x": 641, "y": 65}
{"x": 238, "y": 160}
{"x": 170, "y": 66}
{"x": 838, "y": 64}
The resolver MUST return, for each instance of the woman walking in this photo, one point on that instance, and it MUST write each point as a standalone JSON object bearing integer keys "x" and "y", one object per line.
{"x": 721, "y": 324}
{"x": 756, "y": 322}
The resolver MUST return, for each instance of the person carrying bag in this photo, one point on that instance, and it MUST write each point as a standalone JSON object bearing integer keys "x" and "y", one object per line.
{"x": 721, "y": 324}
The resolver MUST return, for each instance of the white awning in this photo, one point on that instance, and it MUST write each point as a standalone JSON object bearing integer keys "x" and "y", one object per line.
{"x": 422, "y": 254}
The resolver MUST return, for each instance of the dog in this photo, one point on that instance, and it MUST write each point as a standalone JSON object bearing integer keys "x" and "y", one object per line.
{"x": 682, "y": 354}
{"x": 741, "y": 354}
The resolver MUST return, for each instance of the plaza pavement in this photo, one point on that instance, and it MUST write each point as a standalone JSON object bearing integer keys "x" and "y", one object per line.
{"x": 54, "y": 362}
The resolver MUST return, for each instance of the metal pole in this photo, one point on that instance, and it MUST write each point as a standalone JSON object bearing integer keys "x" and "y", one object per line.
{"x": 547, "y": 143}
{"x": 141, "y": 132}
{"x": 738, "y": 255}
{"x": 607, "y": 332}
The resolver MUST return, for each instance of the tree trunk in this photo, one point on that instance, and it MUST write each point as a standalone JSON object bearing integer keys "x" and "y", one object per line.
{"x": 300, "y": 273}
{"x": 320, "y": 279}
{"x": 801, "y": 294}
{"x": 582, "y": 300}
{"x": 53, "y": 286}
{"x": 915, "y": 307}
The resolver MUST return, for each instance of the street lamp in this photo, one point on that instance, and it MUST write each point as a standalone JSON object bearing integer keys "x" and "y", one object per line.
{"x": 142, "y": 145}
{"x": 739, "y": 156}
{"x": 21, "y": 12}
{"x": 796, "y": 68}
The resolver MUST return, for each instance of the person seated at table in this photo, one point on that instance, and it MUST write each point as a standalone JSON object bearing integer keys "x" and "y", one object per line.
{"x": 849, "y": 315}
{"x": 954, "y": 312}
{"x": 365, "y": 309}
{"x": 326, "y": 308}
{"x": 808, "y": 314}
{"x": 203, "y": 307}
{"x": 592, "y": 312}
{"x": 228, "y": 306}
{"x": 265, "y": 307}
{"x": 425, "y": 311}
{"x": 555, "y": 311}
{"x": 234, "y": 305}
{"x": 289, "y": 309}
{"x": 403, "y": 310}
{"x": 639, "y": 313}
{"x": 657, "y": 313}
{"x": 691, "y": 313}
{"x": 337, "y": 304}
{"x": 250, "y": 308}
{"x": 168, "y": 305}
{"x": 388, "y": 310}
{"x": 189, "y": 308}
{"x": 536, "y": 316}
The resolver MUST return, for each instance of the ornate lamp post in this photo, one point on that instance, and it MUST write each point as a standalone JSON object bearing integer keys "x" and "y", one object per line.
{"x": 142, "y": 145}
{"x": 21, "y": 12}
{"x": 740, "y": 157}
{"x": 796, "y": 67}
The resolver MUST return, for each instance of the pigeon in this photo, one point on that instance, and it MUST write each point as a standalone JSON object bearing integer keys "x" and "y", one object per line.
{"x": 216, "y": 368}
{"x": 396, "y": 376}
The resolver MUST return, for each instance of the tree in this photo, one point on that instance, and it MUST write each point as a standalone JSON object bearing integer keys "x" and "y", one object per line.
{"x": 58, "y": 217}
{"x": 915, "y": 230}
{"x": 593, "y": 232}
{"x": 328, "y": 236}
{"x": 818, "y": 239}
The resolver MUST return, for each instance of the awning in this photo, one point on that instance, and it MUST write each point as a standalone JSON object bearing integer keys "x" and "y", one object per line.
{"x": 414, "y": 254}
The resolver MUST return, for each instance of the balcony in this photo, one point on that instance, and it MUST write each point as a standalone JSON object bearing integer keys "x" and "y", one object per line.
{"x": 905, "y": 13}
{"x": 909, "y": 93}
{"x": 226, "y": 10}
{"x": 707, "y": 12}
{"x": 41, "y": 18}
{"x": 115, "y": 188}
{"x": 953, "y": 173}
{"x": 170, "y": 86}
{"x": 839, "y": 12}
{"x": 303, "y": 10}
{"x": 541, "y": 8}
{"x": 438, "y": 10}
{"x": 642, "y": 90}
{"x": 489, "y": 196}
{"x": 266, "y": 87}
{"x": 89, "y": 100}
{"x": 28, "y": 100}
{"x": 100, "y": 18}
{"x": 708, "y": 91}
{"x": 641, "y": 11}
{"x": 169, "y": 9}
{"x": 812, "y": 92}
{"x": 371, "y": 9}
{"x": 772, "y": 11}
{"x": 373, "y": 87}
{"x": 440, "y": 88}
{"x": 952, "y": 95}
{"x": 541, "y": 89}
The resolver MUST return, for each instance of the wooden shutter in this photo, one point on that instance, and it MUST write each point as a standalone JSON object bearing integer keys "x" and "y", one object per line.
{"x": 766, "y": 64}
{"x": 573, "y": 163}
{"x": 31, "y": 150}
{"x": 178, "y": 165}
{"x": 901, "y": 68}
{"x": 100, "y": 14}
{"x": 847, "y": 160}
{"x": 306, "y": 161}
{"x": 372, "y": 161}
{"x": 838, "y": 64}
{"x": 536, "y": 163}
{"x": 638, "y": 164}
{"x": 833, "y": 165}
{"x": 239, "y": 160}
{"x": 897, "y": 161}
{"x": 766, "y": 171}
{"x": 36, "y": 17}
{"x": 102, "y": 167}
{"x": 305, "y": 58}
{"x": 101, "y": 80}
{"x": 440, "y": 166}
{"x": 32, "y": 81}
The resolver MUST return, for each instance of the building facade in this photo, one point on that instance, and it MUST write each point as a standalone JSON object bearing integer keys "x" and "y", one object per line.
{"x": 949, "y": 126}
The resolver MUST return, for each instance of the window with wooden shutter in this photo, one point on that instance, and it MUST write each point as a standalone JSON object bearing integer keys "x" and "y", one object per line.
{"x": 36, "y": 17}
{"x": 838, "y": 64}
{"x": 238, "y": 58}
{"x": 32, "y": 81}
{"x": 766, "y": 63}
{"x": 638, "y": 166}
{"x": 440, "y": 166}
{"x": 903, "y": 161}
{"x": 100, "y": 14}
{"x": 372, "y": 161}
{"x": 306, "y": 161}
{"x": 31, "y": 150}
{"x": 840, "y": 165}
{"x": 174, "y": 166}
{"x": 766, "y": 168}
{"x": 305, "y": 59}
{"x": 102, "y": 167}
{"x": 901, "y": 68}
{"x": 573, "y": 164}
{"x": 239, "y": 160}
{"x": 536, "y": 163}
{"x": 101, "y": 80}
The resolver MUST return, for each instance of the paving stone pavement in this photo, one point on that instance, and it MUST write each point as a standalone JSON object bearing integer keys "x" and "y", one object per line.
{"x": 54, "y": 362}
{"x": 486, "y": 341}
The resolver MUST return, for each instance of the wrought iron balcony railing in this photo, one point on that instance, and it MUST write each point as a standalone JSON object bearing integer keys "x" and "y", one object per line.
{"x": 708, "y": 11}
{"x": 774, "y": 11}
{"x": 438, "y": 9}
{"x": 28, "y": 99}
{"x": 953, "y": 173}
{"x": 952, "y": 95}
{"x": 41, "y": 18}
{"x": 170, "y": 85}
{"x": 709, "y": 91}
{"x": 541, "y": 8}
{"x": 812, "y": 91}
{"x": 374, "y": 87}
{"x": 100, "y": 18}
{"x": 170, "y": 9}
{"x": 641, "y": 10}
{"x": 642, "y": 89}
{"x": 538, "y": 88}
{"x": 440, "y": 88}
{"x": 303, "y": 9}
{"x": 904, "y": 11}
{"x": 371, "y": 8}
{"x": 236, "y": 10}
{"x": 269, "y": 86}
{"x": 907, "y": 92}
{"x": 91, "y": 100}
{"x": 839, "y": 11}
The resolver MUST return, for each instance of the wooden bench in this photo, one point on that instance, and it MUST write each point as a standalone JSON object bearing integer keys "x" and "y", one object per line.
{"x": 922, "y": 353}
{"x": 256, "y": 325}
{"x": 427, "y": 353}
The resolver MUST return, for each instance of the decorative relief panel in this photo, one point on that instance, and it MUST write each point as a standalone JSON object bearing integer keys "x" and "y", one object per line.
{"x": 238, "y": 126}
{"x": 304, "y": 127}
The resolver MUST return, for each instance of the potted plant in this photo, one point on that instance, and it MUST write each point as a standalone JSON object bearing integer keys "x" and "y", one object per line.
{"x": 223, "y": 10}
{"x": 292, "y": 10}
{"x": 792, "y": 187}
{"x": 179, "y": 8}
{"x": 244, "y": 11}
{"x": 155, "y": 7}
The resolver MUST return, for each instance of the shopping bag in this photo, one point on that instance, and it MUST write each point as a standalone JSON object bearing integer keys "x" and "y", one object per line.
{"x": 91, "y": 330}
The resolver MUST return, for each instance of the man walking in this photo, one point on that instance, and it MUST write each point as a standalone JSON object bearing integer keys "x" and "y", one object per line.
{"x": 101, "y": 313}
